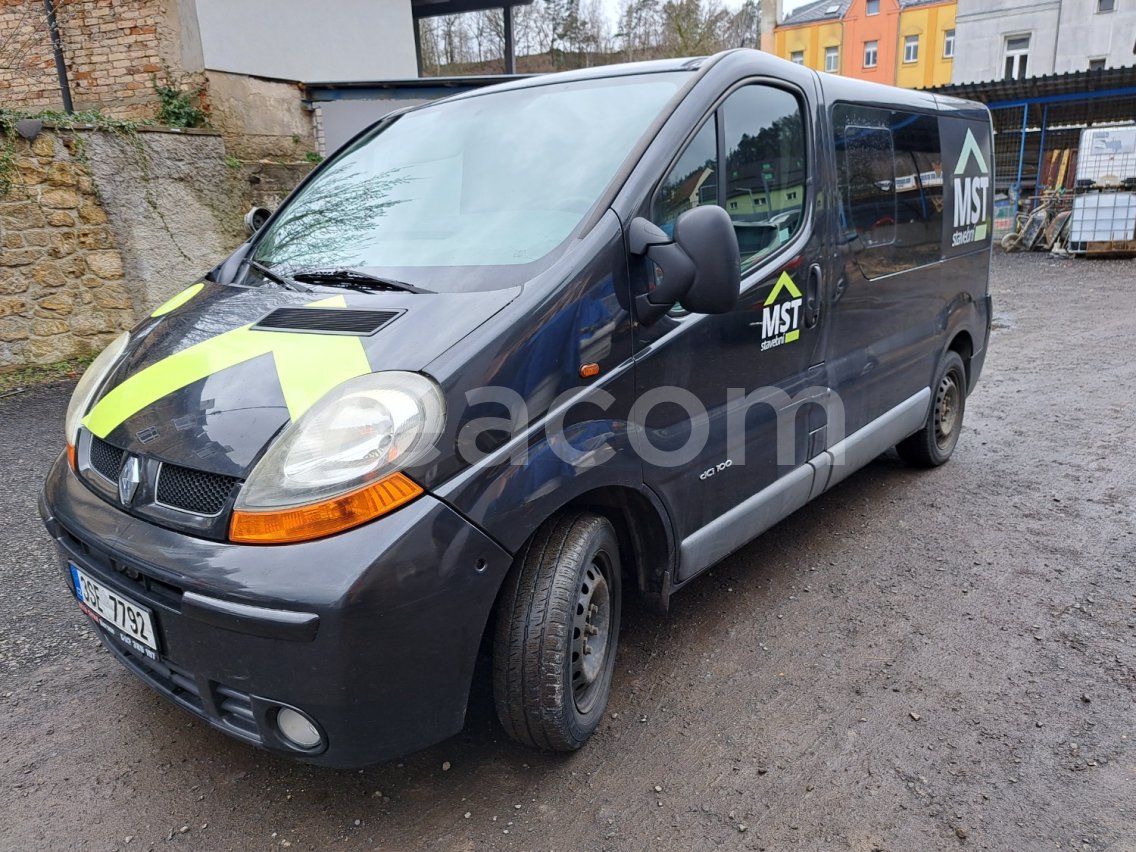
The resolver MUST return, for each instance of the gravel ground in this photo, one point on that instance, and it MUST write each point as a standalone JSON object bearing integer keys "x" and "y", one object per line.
{"x": 932, "y": 660}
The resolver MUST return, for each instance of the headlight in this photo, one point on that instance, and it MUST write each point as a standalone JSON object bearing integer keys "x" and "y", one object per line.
{"x": 89, "y": 384}
{"x": 340, "y": 464}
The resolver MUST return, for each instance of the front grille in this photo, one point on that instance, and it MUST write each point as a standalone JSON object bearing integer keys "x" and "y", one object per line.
{"x": 193, "y": 490}
{"x": 105, "y": 458}
{"x": 327, "y": 320}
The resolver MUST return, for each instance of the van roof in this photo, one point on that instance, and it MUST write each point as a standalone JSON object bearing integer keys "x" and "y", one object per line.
{"x": 757, "y": 62}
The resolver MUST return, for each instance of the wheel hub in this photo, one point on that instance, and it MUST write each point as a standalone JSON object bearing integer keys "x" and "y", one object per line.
{"x": 591, "y": 630}
{"x": 947, "y": 400}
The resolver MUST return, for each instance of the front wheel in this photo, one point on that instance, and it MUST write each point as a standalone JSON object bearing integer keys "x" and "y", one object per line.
{"x": 557, "y": 631}
{"x": 933, "y": 444}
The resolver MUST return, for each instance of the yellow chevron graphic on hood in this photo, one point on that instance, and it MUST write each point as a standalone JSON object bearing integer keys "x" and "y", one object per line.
{"x": 307, "y": 366}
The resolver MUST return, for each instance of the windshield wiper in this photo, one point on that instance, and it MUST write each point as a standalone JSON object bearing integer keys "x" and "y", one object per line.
{"x": 356, "y": 280}
{"x": 277, "y": 278}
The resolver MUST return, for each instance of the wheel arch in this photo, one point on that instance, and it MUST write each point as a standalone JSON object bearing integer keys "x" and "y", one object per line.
{"x": 646, "y": 540}
{"x": 647, "y": 546}
{"x": 963, "y": 344}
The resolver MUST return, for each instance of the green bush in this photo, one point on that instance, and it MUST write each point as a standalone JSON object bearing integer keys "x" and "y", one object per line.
{"x": 178, "y": 108}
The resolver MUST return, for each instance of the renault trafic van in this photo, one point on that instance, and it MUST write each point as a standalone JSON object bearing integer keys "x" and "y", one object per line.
{"x": 503, "y": 360}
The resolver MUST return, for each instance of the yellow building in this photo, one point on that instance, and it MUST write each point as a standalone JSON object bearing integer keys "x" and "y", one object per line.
{"x": 925, "y": 54}
{"x": 812, "y": 35}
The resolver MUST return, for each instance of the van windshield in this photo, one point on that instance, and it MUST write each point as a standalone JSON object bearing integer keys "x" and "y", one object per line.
{"x": 495, "y": 180}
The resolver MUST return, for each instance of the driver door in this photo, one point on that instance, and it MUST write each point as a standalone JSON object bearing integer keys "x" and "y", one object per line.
{"x": 731, "y": 386}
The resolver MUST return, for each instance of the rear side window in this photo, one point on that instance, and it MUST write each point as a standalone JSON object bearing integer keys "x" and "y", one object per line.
{"x": 869, "y": 184}
{"x": 891, "y": 185}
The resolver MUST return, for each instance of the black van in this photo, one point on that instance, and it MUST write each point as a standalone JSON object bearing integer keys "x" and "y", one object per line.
{"x": 504, "y": 359}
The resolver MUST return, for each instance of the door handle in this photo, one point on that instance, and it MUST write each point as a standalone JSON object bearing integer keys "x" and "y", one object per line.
{"x": 812, "y": 296}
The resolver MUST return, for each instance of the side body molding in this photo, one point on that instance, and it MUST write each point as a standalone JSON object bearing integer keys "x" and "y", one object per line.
{"x": 749, "y": 519}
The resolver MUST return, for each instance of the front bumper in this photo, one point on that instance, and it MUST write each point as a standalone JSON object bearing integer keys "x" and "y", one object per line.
{"x": 373, "y": 632}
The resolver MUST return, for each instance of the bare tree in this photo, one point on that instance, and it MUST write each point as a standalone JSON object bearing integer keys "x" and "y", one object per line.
{"x": 551, "y": 35}
{"x": 693, "y": 27}
{"x": 744, "y": 27}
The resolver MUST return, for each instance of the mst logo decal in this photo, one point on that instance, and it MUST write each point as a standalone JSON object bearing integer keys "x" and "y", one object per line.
{"x": 970, "y": 194}
{"x": 781, "y": 320}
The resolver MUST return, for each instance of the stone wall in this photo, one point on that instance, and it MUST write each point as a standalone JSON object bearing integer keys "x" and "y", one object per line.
{"x": 260, "y": 118}
{"x": 62, "y": 286}
{"x": 175, "y": 207}
{"x": 99, "y": 228}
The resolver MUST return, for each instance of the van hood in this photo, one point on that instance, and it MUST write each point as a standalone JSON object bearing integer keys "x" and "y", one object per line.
{"x": 208, "y": 383}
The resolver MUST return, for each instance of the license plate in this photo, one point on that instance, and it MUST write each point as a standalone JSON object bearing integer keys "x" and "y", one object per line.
{"x": 123, "y": 618}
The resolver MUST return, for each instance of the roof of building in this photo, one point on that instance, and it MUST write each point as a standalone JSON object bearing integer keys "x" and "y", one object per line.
{"x": 834, "y": 10}
{"x": 820, "y": 10}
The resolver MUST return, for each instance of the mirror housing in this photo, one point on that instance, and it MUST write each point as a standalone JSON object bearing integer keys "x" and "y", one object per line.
{"x": 255, "y": 218}
{"x": 700, "y": 269}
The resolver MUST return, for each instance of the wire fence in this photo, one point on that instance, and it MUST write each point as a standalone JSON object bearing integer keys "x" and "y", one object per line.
{"x": 1036, "y": 144}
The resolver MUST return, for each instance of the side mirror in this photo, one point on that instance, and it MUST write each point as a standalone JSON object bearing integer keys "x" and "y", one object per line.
{"x": 700, "y": 269}
{"x": 255, "y": 219}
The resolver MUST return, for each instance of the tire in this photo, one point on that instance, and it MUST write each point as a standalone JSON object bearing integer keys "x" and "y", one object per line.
{"x": 933, "y": 444}
{"x": 561, "y": 597}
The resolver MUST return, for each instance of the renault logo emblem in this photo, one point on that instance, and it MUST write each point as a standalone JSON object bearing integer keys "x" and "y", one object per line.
{"x": 128, "y": 480}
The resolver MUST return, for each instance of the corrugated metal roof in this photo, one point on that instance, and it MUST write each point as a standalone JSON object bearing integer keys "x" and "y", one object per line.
{"x": 1049, "y": 85}
{"x": 1074, "y": 98}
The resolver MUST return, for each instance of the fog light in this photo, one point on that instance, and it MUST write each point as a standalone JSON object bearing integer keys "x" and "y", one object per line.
{"x": 297, "y": 728}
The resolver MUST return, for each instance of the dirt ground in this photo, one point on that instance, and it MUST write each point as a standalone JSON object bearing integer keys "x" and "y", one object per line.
{"x": 915, "y": 661}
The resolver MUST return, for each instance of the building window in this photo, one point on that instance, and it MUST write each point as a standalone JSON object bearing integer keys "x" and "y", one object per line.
{"x": 911, "y": 48}
{"x": 873, "y": 7}
{"x": 832, "y": 59}
{"x": 949, "y": 44}
{"x": 1017, "y": 57}
{"x": 1096, "y": 64}
{"x": 1106, "y": 6}
{"x": 871, "y": 53}
{"x": 797, "y": 57}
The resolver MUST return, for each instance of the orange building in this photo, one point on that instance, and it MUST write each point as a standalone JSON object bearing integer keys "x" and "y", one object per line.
{"x": 871, "y": 36}
{"x": 898, "y": 42}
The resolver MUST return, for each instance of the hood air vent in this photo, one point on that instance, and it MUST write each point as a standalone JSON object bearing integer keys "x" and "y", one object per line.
{"x": 326, "y": 321}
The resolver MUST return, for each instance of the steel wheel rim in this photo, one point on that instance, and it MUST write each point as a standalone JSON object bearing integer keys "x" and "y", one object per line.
{"x": 948, "y": 401}
{"x": 591, "y": 632}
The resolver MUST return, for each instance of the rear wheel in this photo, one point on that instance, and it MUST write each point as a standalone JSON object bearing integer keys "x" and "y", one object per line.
{"x": 932, "y": 445}
{"x": 557, "y": 631}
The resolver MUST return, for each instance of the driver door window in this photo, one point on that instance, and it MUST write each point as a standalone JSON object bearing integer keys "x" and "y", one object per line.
{"x": 763, "y": 189}
{"x": 693, "y": 181}
{"x": 765, "y": 169}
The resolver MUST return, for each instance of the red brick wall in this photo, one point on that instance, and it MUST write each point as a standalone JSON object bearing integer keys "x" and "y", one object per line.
{"x": 111, "y": 48}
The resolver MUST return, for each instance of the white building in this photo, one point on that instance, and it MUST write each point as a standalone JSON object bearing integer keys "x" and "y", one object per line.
{"x": 1012, "y": 39}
